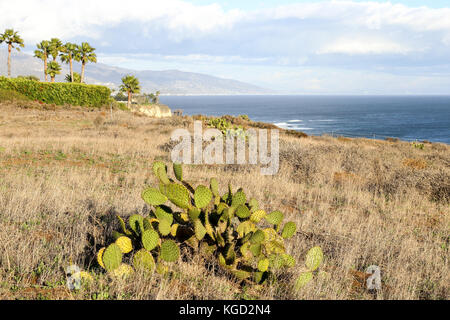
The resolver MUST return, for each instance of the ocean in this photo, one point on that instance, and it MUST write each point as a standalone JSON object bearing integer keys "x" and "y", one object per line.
{"x": 405, "y": 117}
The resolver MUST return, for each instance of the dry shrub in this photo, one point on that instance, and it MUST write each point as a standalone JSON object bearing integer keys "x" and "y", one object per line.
{"x": 418, "y": 164}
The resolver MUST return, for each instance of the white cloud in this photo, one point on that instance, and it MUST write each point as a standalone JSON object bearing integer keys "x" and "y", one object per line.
{"x": 364, "y": 46}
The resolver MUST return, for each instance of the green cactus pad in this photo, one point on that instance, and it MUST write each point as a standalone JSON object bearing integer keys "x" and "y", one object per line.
{"x": 164, "y": 227}
{"x": 275, "y": 217}
{"x": 221, "y": 207}
{"x": 178, "y": 171}
{"x": 200, "y": 230}
{"x": 241, "y": 275}
{"x": 289, "y": 230}
{"x": 123, "y": 226}
{"x": 162, "y": 175}
{"x": 202, "y": 197}
{"x": 157, "y": 165}
{"x": 260, "y": 277}
{"x": 289, "y": 260}
{"x": 164, "y": 213}
{"x": 253, "y": 204}
{"x": 179, "y": 195}
{"x": 255, "y": 249}
{"x": 257, "y": 216}
{"x": 245, "y": 228}
{"x": 263, "y": 265}
{"x": 169, "y": 251}
{"x": 147, "y": 224}
{"x": 242, "y": 211}
{"x": 116, "y": 235}
{"x": 239, "y": 198}
{"x": 214, "y": 187}
{"x": 303, "y": 280}
{"x": 150, "y": 239}
{"x": 136, "y": 223}
{"x": 258, "y": 237}
{"x": 112, "y": 257}
{"x": 153, "y": 197}
{"x": 193, "y": 213}
{"x": 314, "y": 258}
{"x": 143, "y": 260}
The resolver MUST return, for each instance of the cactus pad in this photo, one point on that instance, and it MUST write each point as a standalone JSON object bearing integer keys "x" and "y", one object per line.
{"x": 153, "y": 197}
{"x": 214, "y": 187}
{"x": 263, "y": 265}
{"x": 202, "y": 197}
{"x": 178, "y": 195}
{"x": 112, "y": 257}
{"x": 303, "y": 280}
{"x": 289, "y": 230}
{"x": 143, "y": 260}
{"x": 123, "y": 271}
{"x": 164, "y": 213}
{"x": 150, "y": 239}
{"x": 242, "y": 211}
{"x": 157, "y": 165}
{"x": 100, "y": 258}
{"x": 136, "y": 223}
{"x": 178, "y": 171}
{"x": 124, "y": 244}
{"x": 275, "y": 217}
{"x": 258, "y": 237}
{"x": 200, "y": 230}
{"x": 238, "y": 199}
{"x": 257, "y": 216}
{"x": 314, "y": 258}
{"x": 170, "y": 251}
{"x": 164, "y": 227}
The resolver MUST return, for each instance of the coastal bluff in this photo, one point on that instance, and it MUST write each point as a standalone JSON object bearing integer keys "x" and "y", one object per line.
{"x": 153, "y": 110}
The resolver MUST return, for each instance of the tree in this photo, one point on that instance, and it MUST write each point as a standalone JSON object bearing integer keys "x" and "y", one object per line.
{"x": 86, "y": 54}
{"x": 11, "y": 38}
{"x": 74, "y": 77}
{"x": 53, "y": 69}
{"x": 155, "y": 97}
{"x": 130, "y": 85}
{"x": 55, "y": 47}
{"x": 69, "y": 52}
{"x": 42, "y": 53}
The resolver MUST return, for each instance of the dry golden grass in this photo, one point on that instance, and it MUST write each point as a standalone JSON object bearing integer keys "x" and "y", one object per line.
{"x": 65, "y": 174}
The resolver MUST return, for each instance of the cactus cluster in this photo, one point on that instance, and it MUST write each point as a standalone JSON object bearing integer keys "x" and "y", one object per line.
{"x": 229, "y": 227}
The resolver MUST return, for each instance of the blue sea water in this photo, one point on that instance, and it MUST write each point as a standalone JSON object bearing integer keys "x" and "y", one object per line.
{"x": 405, "y": 117}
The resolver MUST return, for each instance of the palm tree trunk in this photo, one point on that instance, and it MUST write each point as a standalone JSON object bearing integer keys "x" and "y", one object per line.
{"x": 9, "y": 60}
{"x": 83, "y": 64}
{"x": 129, "y": 99}
{"x": 71, "y": 69}
{"x": 45, "y": 68}
{"x": 53, "y": 79}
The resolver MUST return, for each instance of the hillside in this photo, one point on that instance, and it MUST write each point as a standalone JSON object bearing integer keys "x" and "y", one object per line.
{"x": 66, "y": 173}
{"x": 168, "y": 81}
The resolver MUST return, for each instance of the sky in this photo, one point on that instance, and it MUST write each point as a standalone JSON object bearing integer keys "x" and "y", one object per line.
{"x": 291, "y": 46}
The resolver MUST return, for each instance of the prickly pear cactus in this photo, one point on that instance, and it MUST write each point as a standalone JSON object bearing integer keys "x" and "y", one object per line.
{"x": 246, "y": 241}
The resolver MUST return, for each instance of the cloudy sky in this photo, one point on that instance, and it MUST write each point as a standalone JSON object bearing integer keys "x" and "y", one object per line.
{"x": 293, "y": 46}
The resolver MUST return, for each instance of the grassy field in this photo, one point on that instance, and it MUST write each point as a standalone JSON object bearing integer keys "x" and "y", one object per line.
{"x": 65, "y": 174}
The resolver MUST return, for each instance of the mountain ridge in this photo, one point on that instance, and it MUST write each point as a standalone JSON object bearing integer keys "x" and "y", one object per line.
{"x": 168, "y": 82}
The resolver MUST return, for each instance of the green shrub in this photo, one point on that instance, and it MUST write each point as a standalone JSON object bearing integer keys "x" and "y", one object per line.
{"x": 75, "y": 94}
{"x": 230, "y": 229}
{"x": 11, "y": 95}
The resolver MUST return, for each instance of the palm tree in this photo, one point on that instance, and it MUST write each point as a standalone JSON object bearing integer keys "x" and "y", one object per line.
{"x": 42, "y": 53}
{"x": 86, "y": 54}
{"x": 75, "y": 77}
{"x": 55, "y": 47}
{"x": 69, "y": 52}
{"x": 130, "y": 85}
{"x": 53, "y": 69}
{"x": 11, "y": 38}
